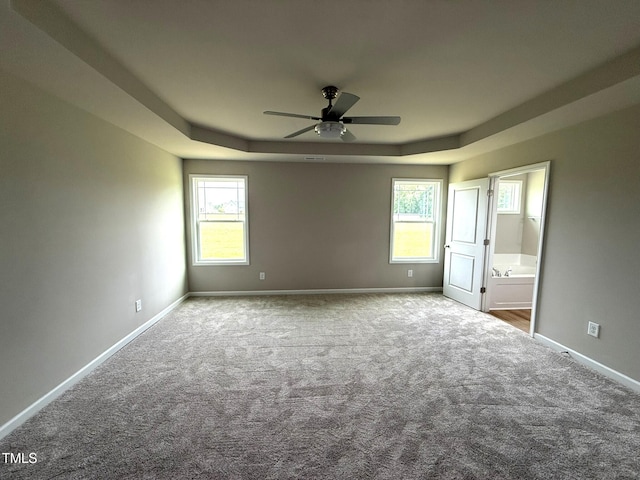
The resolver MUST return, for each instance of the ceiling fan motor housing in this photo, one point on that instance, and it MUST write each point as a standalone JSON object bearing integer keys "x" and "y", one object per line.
{"x": 330, "y": 92}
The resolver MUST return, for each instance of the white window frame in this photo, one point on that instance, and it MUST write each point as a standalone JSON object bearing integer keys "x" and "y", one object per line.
{"x": 515, "y": 208}
{"x": 437, "y": 215}
{"x": 195, "y": 237}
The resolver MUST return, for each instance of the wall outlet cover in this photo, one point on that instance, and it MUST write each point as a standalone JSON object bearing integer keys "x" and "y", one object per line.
{"x": 593, "y": 329}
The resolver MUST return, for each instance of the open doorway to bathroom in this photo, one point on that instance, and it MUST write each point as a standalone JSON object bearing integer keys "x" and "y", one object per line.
{"x": 516, "y": 224}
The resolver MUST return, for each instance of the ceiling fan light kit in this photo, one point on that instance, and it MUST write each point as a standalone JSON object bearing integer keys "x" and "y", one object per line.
{"x": 330, "y": 129}
{"x": 332, "y": 120}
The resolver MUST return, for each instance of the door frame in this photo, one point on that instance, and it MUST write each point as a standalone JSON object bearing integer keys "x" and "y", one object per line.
{"x": 492, "y": 216}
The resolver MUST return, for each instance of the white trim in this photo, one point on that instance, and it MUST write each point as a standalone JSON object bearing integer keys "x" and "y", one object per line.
{"x": 589, "y": 362}
{"x": 437, "y": 219}
{"x": 317, "y": 291}
{"x": 193, "y": 215}
{"x": 523, "y": 169}
{"x": 43, "y": 401}
{"x": 34, "y": 408}
{"x": 49, "y": 397}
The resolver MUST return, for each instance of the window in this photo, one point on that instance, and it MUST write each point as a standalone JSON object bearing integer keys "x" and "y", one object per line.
{"x": 219, "y": 220}
{"x": 414, "y": 220}
{"x": 509, "y": 193}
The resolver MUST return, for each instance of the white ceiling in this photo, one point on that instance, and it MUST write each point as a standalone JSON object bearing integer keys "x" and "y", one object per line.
{"x": 465, "y": 76}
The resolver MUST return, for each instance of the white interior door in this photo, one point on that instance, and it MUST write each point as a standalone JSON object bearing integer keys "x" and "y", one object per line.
{"x": 464, "y": 241}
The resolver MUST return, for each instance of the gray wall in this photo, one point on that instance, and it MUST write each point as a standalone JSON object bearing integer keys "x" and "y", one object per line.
{"x": 591, "y": 264}
{"x": 91, "y": 219}
{"x": 316, "y": 226}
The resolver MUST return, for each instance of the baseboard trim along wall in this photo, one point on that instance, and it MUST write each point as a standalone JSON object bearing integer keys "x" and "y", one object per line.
{"x": 317, "y": 291}
{"x": 39, "y": 404}
{"x": 589, "y": 362}
{"x": 34, "y": 408}
{"x": 43, "y": 401}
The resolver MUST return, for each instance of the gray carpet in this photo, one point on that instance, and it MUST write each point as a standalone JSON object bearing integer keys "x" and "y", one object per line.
{"x": 338, "y": 387}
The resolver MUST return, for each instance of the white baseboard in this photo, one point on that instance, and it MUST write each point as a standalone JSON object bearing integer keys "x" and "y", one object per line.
{"x": 43, "y": 401}
{"x": 221, "y": 293}
{"x": 597, "y": 366}
{"x": 39, "y": 404}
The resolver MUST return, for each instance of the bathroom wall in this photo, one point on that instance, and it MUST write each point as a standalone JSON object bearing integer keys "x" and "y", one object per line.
{"x": 509, "y": 225}
{"x": 520, "y": 233}
{"x": 532, "y": 212}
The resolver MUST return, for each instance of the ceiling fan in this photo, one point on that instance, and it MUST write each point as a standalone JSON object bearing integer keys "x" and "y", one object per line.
{"x": 332, "y": 122}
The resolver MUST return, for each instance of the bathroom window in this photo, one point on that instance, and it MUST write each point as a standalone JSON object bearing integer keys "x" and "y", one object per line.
{"x": 509, "y": 196}
{"x": 220, "y": 226}
{"x": 415, "y": 209}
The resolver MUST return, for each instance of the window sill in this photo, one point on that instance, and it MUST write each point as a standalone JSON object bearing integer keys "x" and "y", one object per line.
{"x": 218, "y": 263}
{"x": 414, "y": 260}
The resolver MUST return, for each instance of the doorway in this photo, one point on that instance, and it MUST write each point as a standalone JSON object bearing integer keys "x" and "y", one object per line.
{"x": 494, "y": 240}
{"x": 516, "y": 230}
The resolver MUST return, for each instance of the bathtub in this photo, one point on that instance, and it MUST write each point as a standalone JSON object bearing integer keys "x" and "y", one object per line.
{"x": 516, "y": 290}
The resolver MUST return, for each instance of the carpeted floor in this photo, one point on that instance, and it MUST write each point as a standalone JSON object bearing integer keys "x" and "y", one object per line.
{"x": 402, "y": 386}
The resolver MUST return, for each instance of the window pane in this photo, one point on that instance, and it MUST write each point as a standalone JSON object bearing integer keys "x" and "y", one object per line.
{"x": 412, "y": 239}
{"x": 221, "y": 201}
{"x": 222, "y": 240}
{"x": 509, "y": 196}
{"x": 413, "y": 201}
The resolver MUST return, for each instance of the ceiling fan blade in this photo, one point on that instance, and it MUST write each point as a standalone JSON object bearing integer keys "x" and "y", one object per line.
{"x": 300, "y": 132}
{"x": 294, "y": 115}
{"x": 347, "y": 136}
{"x": 344, "y": 102}
{"x": 372, "y": 120}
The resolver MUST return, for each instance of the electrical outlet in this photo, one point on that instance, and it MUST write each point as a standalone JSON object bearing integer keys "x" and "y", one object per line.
{"x": 409, "y": 273}
{"x": 593, "y": 329}
{"x": 138, "y": 305}
{"x": 262, "y": 276}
